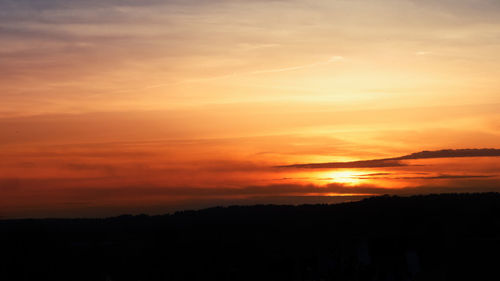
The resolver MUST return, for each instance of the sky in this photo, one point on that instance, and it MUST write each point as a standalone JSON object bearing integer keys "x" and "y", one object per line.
{"x": 111, "y": 107}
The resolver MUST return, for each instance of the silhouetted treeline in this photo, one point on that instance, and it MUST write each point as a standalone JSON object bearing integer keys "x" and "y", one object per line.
{"x": 432, "y": 237}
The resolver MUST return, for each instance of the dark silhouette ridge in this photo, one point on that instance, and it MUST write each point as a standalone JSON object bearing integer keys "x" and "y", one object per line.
{"x": 431, "y": 237}
{"x": 396, "y": 161}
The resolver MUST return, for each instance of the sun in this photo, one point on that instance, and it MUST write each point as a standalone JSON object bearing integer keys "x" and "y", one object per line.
{"x": 345, "y": 177}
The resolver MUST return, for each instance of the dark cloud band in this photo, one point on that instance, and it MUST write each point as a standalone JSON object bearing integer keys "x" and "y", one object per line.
{"x": 397, "y": 161}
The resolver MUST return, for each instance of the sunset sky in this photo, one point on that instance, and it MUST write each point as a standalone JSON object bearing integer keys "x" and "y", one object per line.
{"x": 119, "y": 106}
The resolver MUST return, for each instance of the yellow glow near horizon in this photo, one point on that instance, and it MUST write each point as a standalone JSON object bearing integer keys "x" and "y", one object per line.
{"x": 349, "y": 177}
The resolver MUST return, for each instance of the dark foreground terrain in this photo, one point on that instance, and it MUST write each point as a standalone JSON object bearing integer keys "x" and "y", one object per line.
{"x": 434, "y": 237}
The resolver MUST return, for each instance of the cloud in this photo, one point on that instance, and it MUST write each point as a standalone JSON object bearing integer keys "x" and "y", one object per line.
{"x": 397, "y": 161}
{"x": 106, "y": 194}
{"x": 422, "y": 53}
{"x": 445, "y": 177}
{"x": 377, "y": 163}
{"x": 299, "y": 67}
{"x": 464, "y": 11}
{"x": 452, "y": 153}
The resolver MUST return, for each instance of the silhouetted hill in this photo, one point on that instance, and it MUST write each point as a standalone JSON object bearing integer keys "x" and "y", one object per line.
{"x": 432, "y": 237}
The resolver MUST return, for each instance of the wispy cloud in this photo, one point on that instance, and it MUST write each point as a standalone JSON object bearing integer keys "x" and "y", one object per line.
{"x": 299, "y": 67}
{"x": 332, "y": 59}
{"x": 422, "y": 53}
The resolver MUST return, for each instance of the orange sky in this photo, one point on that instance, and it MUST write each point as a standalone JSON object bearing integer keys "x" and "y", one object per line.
{"x": 108, "y": 107}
